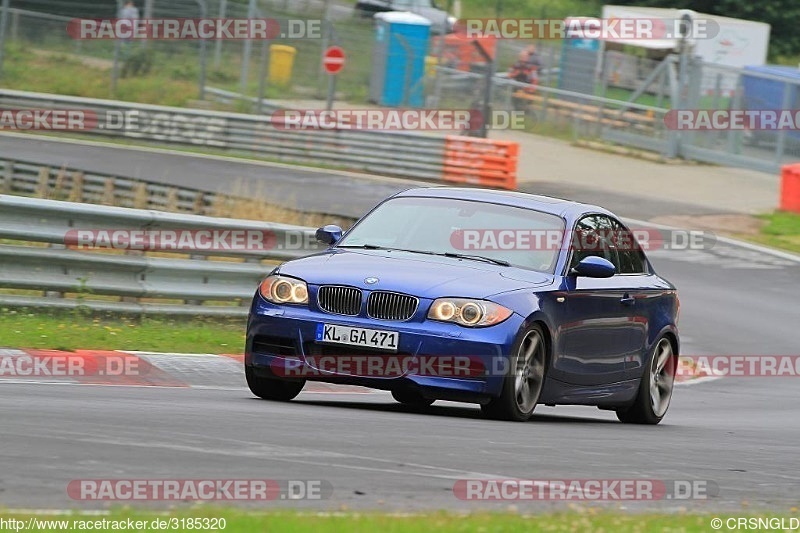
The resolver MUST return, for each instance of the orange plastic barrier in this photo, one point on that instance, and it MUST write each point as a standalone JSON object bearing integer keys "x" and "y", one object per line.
{"x": 790, "y": 188}
{"x": 460, "y": 52}
{"x": 481, "y": 162}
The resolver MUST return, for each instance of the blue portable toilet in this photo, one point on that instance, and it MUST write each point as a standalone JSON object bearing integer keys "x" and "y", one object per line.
{"x": 398, "y": 59}
{"x": 579, "y": 60}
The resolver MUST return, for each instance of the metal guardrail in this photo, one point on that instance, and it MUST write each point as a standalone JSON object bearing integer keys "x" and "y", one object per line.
{"x": 30, "y": 178}
{"x": 230, "y": 97}
{"x": 200, "y": 282}
{"x": 403, "y": 154}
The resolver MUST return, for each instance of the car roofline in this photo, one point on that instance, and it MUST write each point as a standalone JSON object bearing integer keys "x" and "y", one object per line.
{"x": 562, "y": 207}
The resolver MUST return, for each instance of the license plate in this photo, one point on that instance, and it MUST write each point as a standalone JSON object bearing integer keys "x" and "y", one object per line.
{"x": 370, "y": 338}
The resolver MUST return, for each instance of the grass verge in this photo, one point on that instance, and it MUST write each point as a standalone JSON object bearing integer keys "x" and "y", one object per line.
{"x": 782, "y": 230}
{"x": 443, "y": 522}
{"x": 76, "y": 330}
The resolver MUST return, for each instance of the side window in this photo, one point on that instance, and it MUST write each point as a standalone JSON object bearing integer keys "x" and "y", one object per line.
{"x": 605, "y": 232}
{"x": 631, "y": 257}
{"x": 592, "y": 237}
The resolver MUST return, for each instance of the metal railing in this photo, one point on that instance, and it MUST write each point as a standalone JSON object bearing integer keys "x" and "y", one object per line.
{"x": 30, "y": 178}
{"x": 402, "y": 154}
{"x": 40, "y": 269}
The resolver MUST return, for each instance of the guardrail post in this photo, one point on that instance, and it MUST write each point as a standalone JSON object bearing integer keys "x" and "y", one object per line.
{"x": 55, "y": 294}
{"x": 196, "y": 257}
{"x": 245, "y": 302}
{"x": 8, "y": 178}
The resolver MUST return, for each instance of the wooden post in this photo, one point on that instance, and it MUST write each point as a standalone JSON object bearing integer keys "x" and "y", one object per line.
{"x": 108, "y": 192}
{"x": 44, "y": 182}
{"x": 76, "y": 193}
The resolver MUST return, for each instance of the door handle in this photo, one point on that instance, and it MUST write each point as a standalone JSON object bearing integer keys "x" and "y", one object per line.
{"x": 627, "y": 300}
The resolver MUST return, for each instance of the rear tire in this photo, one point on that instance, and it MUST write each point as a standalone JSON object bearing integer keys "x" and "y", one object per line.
{"x": 655, "y": 389}
{"x": 523, "y": 384}
{"x": 280, "y": 390}
{"x": 411, "y": 398}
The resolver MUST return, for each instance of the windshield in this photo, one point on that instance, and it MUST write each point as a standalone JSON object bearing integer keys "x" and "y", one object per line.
{"x": 444, "y": 225}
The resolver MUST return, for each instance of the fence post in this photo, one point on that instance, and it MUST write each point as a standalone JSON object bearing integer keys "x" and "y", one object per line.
{"x": 780, "y": 146}
{"x": 3, "y": 24}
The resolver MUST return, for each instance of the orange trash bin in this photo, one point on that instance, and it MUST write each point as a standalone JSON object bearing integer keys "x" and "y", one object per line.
{"x": 790, "y": 188}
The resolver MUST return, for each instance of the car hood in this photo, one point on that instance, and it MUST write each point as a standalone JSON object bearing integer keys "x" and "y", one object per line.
{"x": 424, "y": 276}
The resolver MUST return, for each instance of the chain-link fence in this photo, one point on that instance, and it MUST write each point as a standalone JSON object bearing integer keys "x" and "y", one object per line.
{"x": 633, "y": 100}
{"x": 582, "y": 92}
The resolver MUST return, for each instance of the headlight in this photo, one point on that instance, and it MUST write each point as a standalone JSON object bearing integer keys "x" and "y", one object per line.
{"x": 472, "y": 313}
{"x": 283, "y": 290}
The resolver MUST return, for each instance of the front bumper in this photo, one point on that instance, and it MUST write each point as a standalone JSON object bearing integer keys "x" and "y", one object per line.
{"x": 281, "y": 341}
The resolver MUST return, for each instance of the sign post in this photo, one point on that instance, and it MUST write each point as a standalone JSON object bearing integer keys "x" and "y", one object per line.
{"x": 332, "y": 62}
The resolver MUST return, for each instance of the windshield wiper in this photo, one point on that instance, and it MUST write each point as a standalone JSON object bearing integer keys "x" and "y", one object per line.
{"x": 364, "y": 246}
{"x": 501, "y": 262}
{"x": 483, "y": 258}
{"x": 387, "y": 248}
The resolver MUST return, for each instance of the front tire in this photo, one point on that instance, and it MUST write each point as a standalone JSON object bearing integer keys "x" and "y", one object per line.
{"x": 524, "y": 381}
{"x": 655, "y": 389}
{"x": 279, "y": 390}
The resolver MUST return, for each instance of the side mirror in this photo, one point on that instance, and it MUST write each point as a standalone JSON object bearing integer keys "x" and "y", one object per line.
{"x": 329, "y": 234}
{"x": 594, "y": 267}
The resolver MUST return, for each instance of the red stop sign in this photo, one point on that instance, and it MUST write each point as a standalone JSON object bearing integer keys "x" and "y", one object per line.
{"x": 333, "y": 61}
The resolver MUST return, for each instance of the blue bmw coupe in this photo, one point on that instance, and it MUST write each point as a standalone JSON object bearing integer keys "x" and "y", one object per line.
{"x": 503, "y": 299}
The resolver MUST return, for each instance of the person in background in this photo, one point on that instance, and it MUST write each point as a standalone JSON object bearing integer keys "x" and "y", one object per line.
{"x": 129, "y": 11}
{"x": 533, "y": 59}
{"x": 525, "y": 69}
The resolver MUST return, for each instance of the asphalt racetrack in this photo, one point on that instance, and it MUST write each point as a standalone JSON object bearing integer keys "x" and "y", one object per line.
{"x": 740, "y": 434}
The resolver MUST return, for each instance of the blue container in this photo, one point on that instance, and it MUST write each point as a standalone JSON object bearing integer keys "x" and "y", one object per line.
{"x": 764, "y": 93}
{"x": 398, "y": 59}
